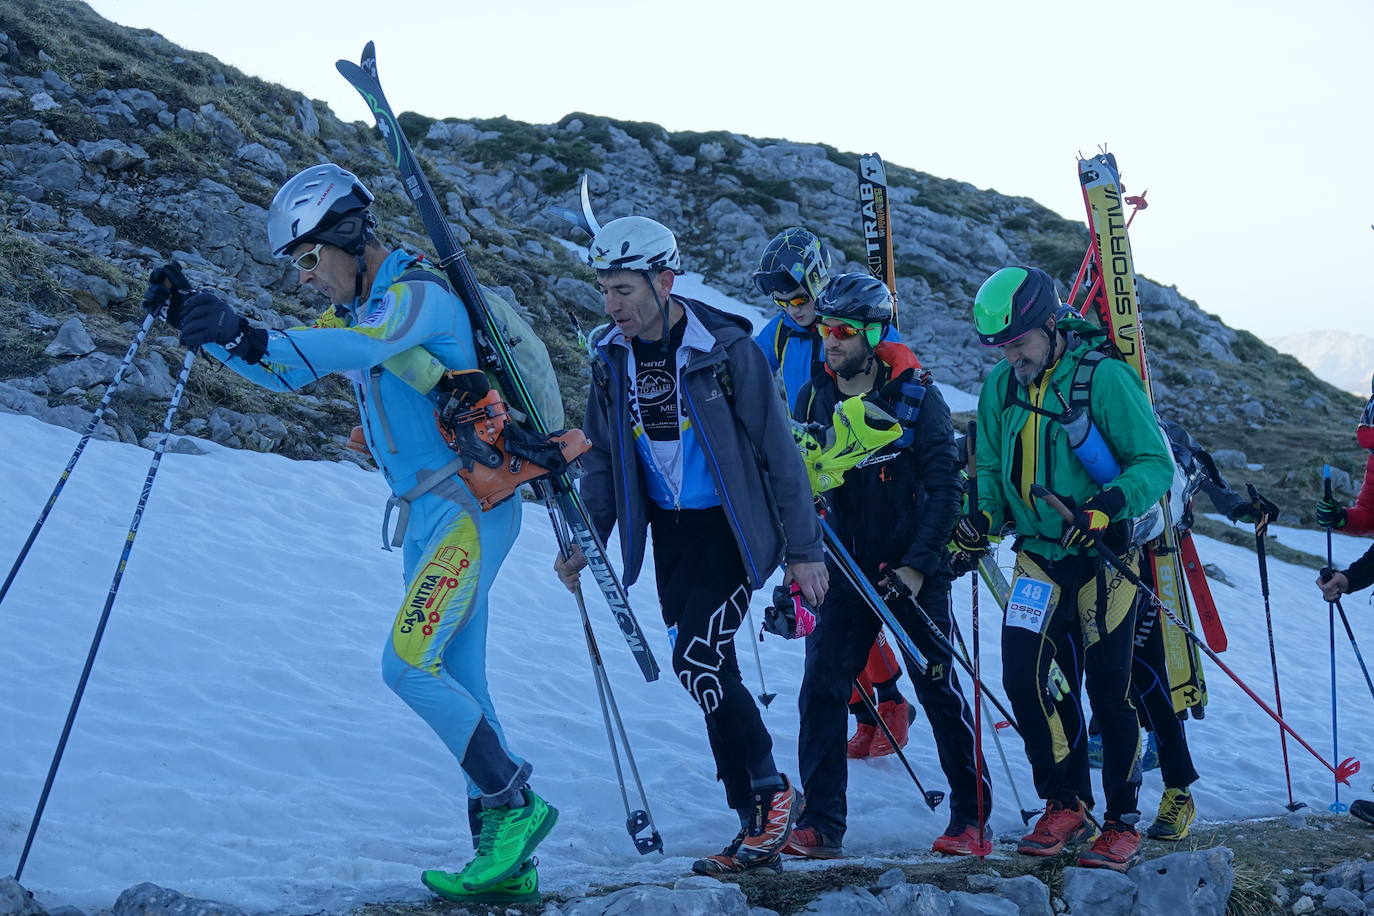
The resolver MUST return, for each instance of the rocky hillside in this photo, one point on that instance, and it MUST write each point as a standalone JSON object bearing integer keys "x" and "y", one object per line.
{"x": 119, "y": 149}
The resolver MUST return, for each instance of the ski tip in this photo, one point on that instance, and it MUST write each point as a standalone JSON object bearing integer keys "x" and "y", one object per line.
{"x": 369, "y": 51}
{"x": 1326, "y": 471}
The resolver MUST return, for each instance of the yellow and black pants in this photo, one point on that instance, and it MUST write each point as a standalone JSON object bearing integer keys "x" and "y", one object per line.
{"x": 1071, "y": 619}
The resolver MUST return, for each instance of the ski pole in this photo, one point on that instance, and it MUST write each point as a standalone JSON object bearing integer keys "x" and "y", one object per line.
{"x": 85, "y": 438}
{"x": 982, "y": 847}
{"x": 765, "y": 697}
{"x": 1327, "y": 572}
{"x": 1342, "y": 771}
{"x": 1336, "y": 805}
{"x": 639, "y": 819}
{"x": 932, "y": 797}
{"x": 898, "y": 590}
{"x": 494, "y": 348}
{"x": 109, "y": 604}
{"x": 860, "y": 583}
{"x": 1026, "y": 814}
{"x": 1261, "y": 527}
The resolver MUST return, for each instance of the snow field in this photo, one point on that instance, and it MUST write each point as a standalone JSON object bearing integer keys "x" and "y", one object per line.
{"x": 236, "y": 740}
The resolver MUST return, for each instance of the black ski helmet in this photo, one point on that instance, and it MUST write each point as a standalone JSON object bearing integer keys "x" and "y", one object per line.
{"x": 794, "y": 257}
{"x": 1012, "y": 303}
{"x": 860, "y": 298}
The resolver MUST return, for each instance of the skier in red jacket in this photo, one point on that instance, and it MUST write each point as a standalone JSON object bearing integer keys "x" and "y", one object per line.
{"x": 1359, "y": 518}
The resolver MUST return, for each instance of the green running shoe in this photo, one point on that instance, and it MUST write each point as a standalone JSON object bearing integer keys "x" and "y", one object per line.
{"x": 521, "y": 887}
{"x": 509, "y": 836}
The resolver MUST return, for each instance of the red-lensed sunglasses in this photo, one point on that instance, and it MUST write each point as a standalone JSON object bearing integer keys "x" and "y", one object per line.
{"x": 840, "y": 331}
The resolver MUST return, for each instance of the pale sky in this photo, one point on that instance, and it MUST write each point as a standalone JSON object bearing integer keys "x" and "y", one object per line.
{"x": 1249, "y": 123}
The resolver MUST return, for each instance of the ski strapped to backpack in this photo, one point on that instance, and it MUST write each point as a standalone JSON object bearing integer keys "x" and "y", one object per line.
{"x": 874, "y": 207}
{"x": 1113, "y": 296}
{"x": 495, "y": 345}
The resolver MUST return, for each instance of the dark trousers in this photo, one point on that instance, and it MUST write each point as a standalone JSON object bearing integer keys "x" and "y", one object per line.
{"x": 836, "y": 651}
{"x": 1087, "y": 632}
{"x": 703, "y": 591}
{"x": 1150, "y": 690}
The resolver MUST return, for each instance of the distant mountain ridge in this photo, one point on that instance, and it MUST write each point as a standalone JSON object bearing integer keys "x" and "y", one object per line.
{"x": 1343, "y": 358}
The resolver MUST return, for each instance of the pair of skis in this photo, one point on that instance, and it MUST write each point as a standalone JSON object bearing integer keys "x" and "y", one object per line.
{"x": 1114, "y": 298}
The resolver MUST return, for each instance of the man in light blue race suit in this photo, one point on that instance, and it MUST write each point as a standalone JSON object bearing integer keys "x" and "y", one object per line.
{"x": 394, "y": 327}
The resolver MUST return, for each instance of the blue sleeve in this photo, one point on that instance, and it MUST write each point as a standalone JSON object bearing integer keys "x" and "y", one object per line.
{"x": 274, "y": 376}
{"x": 411, "y": 315}
{"x": 765, "y": 339}
{"x": 892, "y": 334}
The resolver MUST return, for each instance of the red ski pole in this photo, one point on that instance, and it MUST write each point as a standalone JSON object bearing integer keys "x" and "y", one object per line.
{"x": 1342, "y": 771}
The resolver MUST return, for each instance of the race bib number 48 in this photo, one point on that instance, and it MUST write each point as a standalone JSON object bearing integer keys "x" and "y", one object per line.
{"x": 1029, "y": 604}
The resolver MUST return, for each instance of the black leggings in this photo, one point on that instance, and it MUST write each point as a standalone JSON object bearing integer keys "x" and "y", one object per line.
{"x": 835, "y": 654}
{"x": 1087, "y": 630}
{"x": 1150, "y": 685}
{"x": 704, "y": 591}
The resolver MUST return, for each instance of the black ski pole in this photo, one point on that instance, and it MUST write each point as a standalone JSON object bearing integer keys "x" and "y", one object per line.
{"x": 637, "y": 820}
{"x": 982, "y": 847}
{"x": 1327, "y": 572}
{"x": 932, "y": 797}
{"x": 1026, "y": 814}
{"x": 494, "y": 348}
{"x": 109, "y": 604}
{"x": 154, "y": 301}
{"x": 756, "y": 637}
{"x": 866, "y": 590}
{"x": 897, "y": 589}
{"x": 1261, "y": 527}
{"x": 1342, "y": 771}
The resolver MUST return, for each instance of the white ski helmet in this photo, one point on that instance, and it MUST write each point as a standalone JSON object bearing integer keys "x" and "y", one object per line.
{"x": 634, "y": 243}
{"x": 325, "y": 203}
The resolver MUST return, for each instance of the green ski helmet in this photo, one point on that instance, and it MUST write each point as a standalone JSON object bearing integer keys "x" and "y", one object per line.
{"x": 1012, "y": 303}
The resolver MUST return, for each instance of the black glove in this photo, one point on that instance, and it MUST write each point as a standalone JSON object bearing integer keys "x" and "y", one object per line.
{"x": 1330, "y": 514}
{"x": 167, "y": 288}
{"x": 971, "y": 534}
{"x": 206, "y": 318}
{"x": 1091, "y": 519}
{"x": 1253, "y": 512}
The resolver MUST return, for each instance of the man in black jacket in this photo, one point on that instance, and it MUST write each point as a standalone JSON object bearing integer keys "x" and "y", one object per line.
{"x": 894, "y": 513}
{"x": 691, "y": 442}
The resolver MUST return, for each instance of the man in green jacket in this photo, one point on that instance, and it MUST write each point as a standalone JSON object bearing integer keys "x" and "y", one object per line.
{"x": 1068, "y": 612}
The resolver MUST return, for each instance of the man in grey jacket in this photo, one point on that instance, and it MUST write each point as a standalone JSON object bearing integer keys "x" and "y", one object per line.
{"x": 691, "y": 442}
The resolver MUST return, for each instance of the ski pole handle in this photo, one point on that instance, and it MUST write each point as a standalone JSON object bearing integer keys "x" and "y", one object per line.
{"x": 1054, "y": 501}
